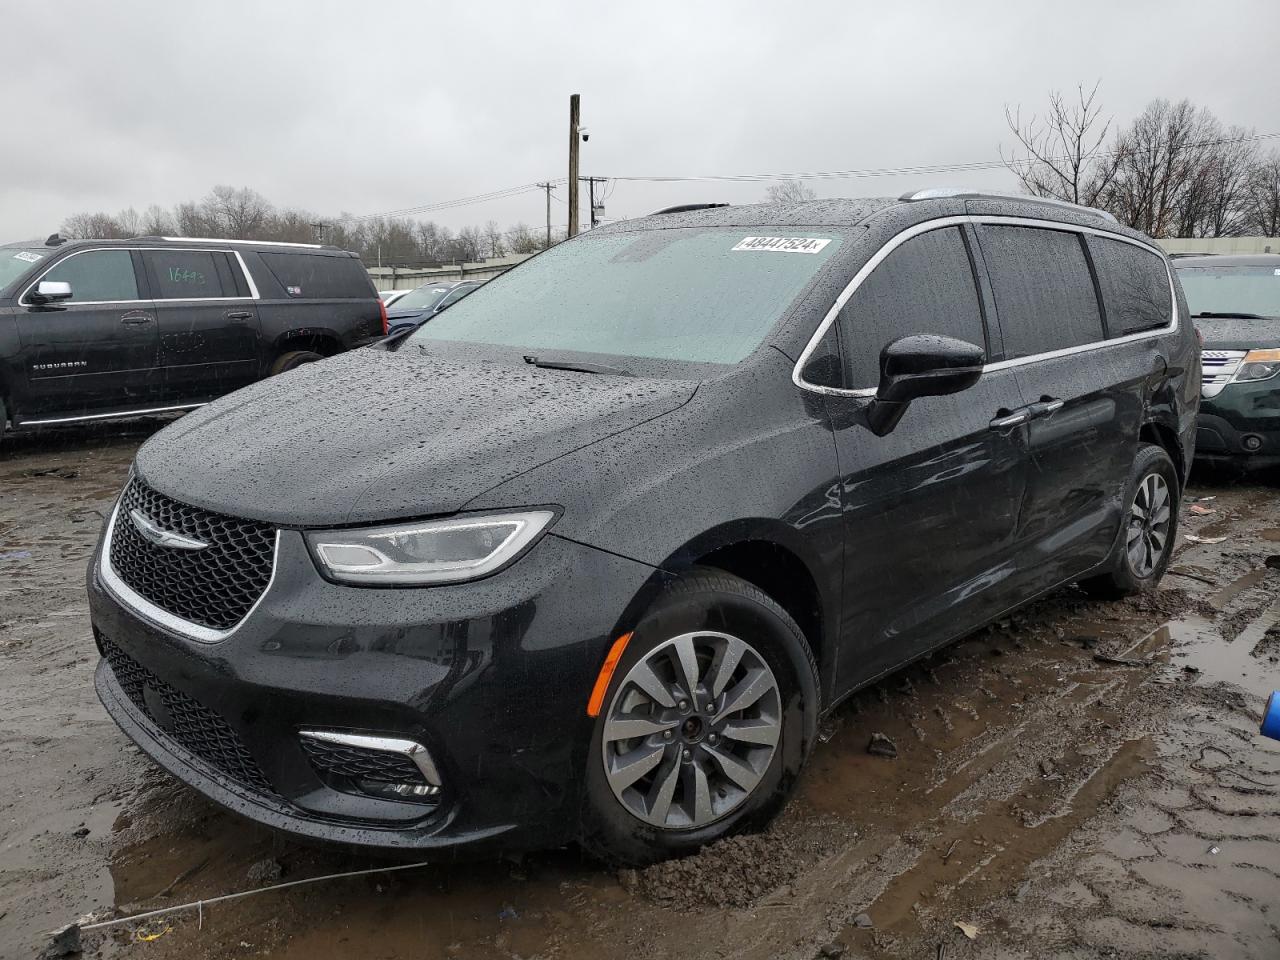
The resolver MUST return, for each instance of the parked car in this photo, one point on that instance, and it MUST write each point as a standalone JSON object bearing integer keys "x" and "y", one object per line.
{"x": 620, "y": 541}
{"x": 391, "y": 296}
{"x": 426, "y": 301}
{"x": 1235, "y": 302}
{"x": 100, "y": 329}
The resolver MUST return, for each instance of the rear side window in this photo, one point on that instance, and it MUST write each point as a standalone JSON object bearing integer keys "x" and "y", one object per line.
{"x": 925, "y": 285}
{"x": 311, "y": 276}
{"x": 97, "y": 275}
{"x": 187, "y": 274}
{"x": 1043, "y": 289}
{"x": 1135, "y": 286}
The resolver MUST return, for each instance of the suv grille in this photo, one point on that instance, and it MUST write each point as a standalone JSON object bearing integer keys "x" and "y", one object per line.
{"x": 214, "y": 587}
{"x": 192, "y": 725}
{"x": 359, "y": 763}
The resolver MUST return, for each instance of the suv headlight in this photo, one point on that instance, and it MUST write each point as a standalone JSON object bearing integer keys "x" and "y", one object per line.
{"x": 436, "y": 551}
{"x": 1258, "y": 365}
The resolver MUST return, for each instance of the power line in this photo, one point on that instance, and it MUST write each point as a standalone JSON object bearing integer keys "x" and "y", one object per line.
{"x": 449, "y": 204}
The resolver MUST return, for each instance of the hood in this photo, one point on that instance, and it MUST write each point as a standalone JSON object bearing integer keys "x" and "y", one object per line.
{"x": 409, "y": 313}
{"x": 1239, "y": 334}
{"x": 369, "y": 436}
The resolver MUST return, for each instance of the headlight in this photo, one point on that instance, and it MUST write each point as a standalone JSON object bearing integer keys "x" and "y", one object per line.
{"x": 439, "y": 551}
{"x": 1258, "y": 365}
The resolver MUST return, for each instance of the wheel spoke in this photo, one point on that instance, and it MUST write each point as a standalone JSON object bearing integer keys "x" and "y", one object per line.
{"x": 1135, "y": 532}
{"x": 702, "y": 810}
{"x": 729, "y": 657}
{"x": 1158, "y": 537}
{"x": 1136, "y": 511}
{"x": 735, "y": 769}
{"x": 1136, "y": 551}
{"x": 625, "y": 770}
{"x": 1161, "y": 517}
{"x": 651, "y": 684}
{"x": 628, "y": 726}
{"x": 1160, "y": 492}
{"x": 664, "y": 788}
{"x": 747, "y": 691}
{"x": 686, "y": 659}
{"x": 762, "y": 732}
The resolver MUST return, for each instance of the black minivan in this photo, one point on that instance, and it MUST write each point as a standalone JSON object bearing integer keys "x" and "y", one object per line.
{"x": 105, "y": 329}
{"x": 642, "y": 510}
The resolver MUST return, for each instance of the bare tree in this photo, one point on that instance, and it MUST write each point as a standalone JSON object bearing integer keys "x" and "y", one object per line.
{"x": 1062, "y": 154}
{"x": 94, "y": 226}
{"x": 1263, "y": 196}
{"x": 236, "y": 214}
{"x": 156, "y": 222}
{"x": 495, "y": 243}
{"x": 789, "y": 191}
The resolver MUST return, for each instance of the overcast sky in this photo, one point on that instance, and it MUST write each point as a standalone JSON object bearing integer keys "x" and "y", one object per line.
{"x": 375, "y": 106}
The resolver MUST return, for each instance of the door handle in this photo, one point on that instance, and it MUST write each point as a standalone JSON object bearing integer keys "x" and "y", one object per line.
{"x": 1046, "y": 407}
{"x": 135, "y": 319}
{"x": 239, "y": 315}
{"x": 1015, "y": 418}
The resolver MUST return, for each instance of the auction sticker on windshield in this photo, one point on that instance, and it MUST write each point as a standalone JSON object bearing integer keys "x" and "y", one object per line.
{"x": 27, "y": 256}
{"x": 782, "y": 244}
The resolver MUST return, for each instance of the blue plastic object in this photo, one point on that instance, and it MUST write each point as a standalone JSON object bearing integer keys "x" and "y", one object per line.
{"x": 1271, "y": 717}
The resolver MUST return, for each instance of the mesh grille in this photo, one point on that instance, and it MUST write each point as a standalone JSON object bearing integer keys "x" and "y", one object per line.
{"x": 194, "y": 726}
{"x": 214, "y": 587}
{"x": 360, "y": 763}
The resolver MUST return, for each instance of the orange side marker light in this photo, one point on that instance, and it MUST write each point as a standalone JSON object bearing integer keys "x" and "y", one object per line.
{"x": 606, "y": 674}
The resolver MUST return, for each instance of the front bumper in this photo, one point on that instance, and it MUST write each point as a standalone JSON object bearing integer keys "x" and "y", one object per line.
{"x": 1241, "y": 424}
{"x": 492, "y": 677}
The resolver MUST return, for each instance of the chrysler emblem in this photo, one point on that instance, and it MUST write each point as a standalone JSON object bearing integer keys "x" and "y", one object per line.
{"x": 162, "y": 537}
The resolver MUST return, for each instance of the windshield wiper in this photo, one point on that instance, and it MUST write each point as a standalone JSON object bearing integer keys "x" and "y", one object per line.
{"x": 1228, "y": 316}
{"x": 551, "y": 364}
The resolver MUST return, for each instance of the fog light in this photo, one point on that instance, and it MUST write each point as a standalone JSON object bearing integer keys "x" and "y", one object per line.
{"x": 1251, "y": 442}
{"x": 397, "y": 791}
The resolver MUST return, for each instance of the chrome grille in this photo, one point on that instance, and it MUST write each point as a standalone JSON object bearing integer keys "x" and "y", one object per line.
{"x": 214, "y": 587}
{"x": 1217, "y": 369}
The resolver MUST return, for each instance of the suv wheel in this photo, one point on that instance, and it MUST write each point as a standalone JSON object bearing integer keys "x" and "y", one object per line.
{"x": 1145, "y": 544}
{"x": 705, "y": 726}
{"x": 293, "y": 358}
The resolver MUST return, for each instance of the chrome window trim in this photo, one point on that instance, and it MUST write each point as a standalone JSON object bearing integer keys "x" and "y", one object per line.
{"x": 158, "y": 616}
{"x": 256, "y": 243}
{"x": 414, "y": 751}
{"x": 110, "y": 416}
{"x": 900, "y": 238}
{"x": 253, "y": 287}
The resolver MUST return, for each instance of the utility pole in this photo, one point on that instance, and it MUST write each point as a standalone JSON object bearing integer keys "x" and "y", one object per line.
{"x": 573, "y": 164}
{"x": 319, "y": 232}
{"x": 591, "y": 191}
{"x": 547, "y": 187}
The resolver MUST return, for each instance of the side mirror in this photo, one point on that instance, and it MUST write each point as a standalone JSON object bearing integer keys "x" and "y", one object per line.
{"x": 923, "y": 365}
{"x": 49, "y": 291}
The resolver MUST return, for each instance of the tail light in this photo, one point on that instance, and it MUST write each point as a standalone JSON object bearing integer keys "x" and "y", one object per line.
{"x": 382, "y": 310}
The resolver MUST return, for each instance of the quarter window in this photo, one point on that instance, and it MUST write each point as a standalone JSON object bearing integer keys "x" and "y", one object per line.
{"x": 186, "y": 274}
{"x": 97, "y": 275}
{"x": 1135, "y": 286}
{"x": 925, "y": 285}
{"x": 1043, "y": 289}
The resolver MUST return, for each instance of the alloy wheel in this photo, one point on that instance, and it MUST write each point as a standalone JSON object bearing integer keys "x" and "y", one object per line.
{"x": 691, "y": 730}
{"x": 1147, "y": 537}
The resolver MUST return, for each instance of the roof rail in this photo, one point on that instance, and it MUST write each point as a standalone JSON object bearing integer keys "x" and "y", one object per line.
{"x": 271, "y": 243}
{"x": 962, "y": 193}
{"x": 686, "y": 207}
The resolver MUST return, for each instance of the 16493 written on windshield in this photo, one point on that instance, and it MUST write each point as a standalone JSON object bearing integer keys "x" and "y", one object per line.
{"x": 782, "y": 244}
{"x": 184, "y": 275}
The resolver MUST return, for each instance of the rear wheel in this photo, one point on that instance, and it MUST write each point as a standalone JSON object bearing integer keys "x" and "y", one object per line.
{"x": 1145, "y": 545}
{"x": 705, "y": 726}
{"x": 293, "y": 358}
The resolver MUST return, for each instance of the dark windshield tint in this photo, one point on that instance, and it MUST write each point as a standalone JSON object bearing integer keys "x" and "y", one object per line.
{"x": 316, "y": 277}
{"x": 1228, "y": 289}
{"x": 698, "y": 294}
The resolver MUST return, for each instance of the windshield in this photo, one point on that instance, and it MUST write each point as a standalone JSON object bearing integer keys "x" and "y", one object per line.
{"x": 1232, "y": 289}
{"x": 697, "y": 294}
{"x": 422, "y": 298}
{"x": 15, "y": 262}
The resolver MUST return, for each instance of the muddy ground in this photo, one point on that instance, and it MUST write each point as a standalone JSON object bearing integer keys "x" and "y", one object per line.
{"x": 1082, "y": 780}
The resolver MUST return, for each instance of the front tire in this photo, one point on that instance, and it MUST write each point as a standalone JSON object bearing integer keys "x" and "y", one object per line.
{"x": 706, "y": 724}
{"x": 291, "y": 359}
{"x": 1144, "y": 546}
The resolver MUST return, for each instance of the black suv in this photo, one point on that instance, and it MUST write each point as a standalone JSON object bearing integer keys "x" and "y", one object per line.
{"x": 644, "y": 507}
{"x": 1235, "y": 301}
{"x": 96, "y": 329}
